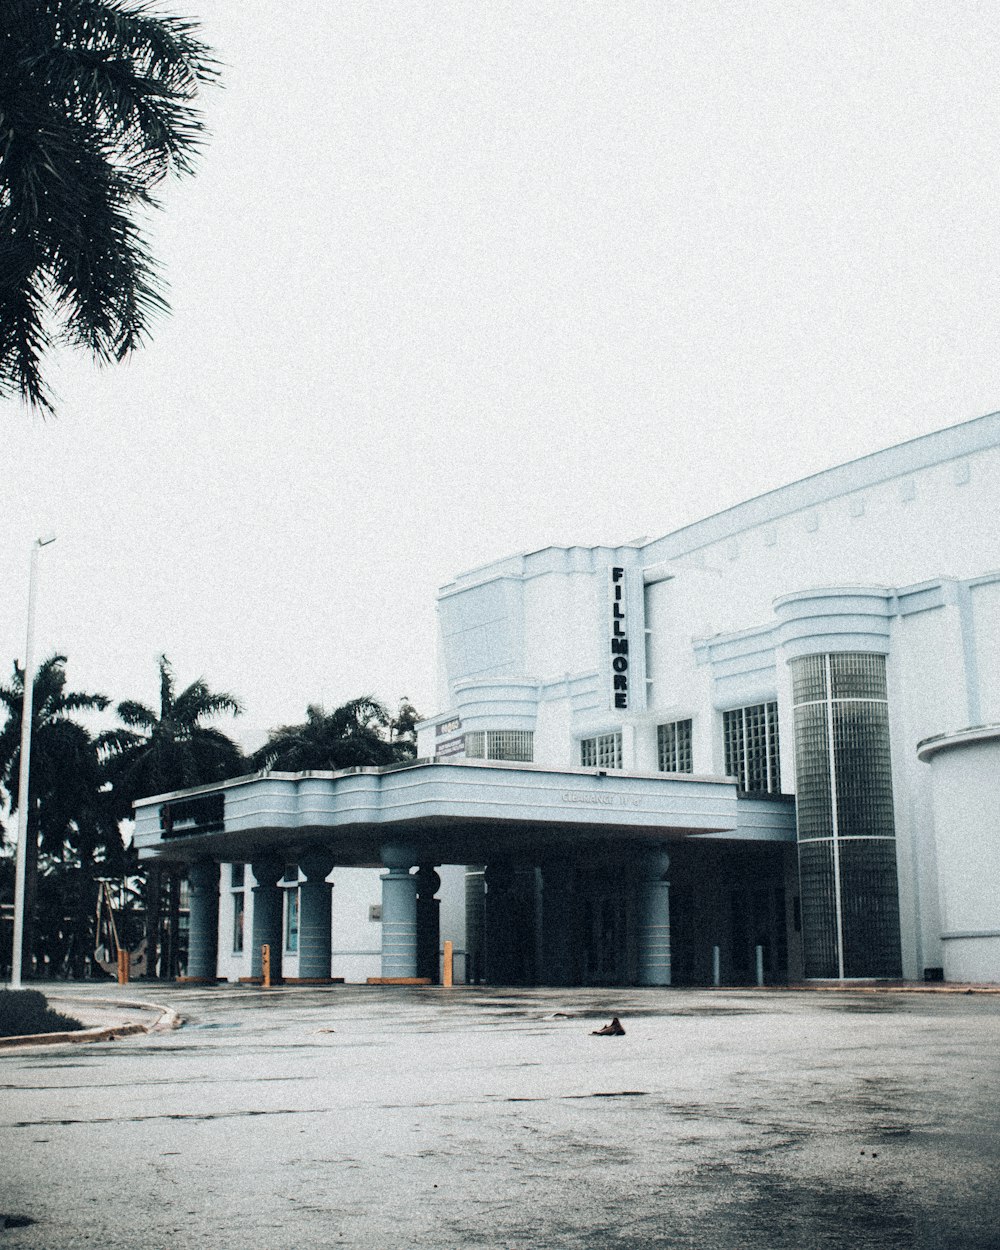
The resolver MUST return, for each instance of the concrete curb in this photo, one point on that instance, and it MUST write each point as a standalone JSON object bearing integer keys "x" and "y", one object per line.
{"x": 166, "y": 1018}
{"x": 891, "y": 987}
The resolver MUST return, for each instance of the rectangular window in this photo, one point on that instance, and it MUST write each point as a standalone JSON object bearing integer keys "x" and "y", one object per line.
{"x": 239, "y": 910}
{"x": 500, "y": 744}
{"x": 237, "y": 874}
{"x": 673, "y": 744}
{"x": 292, "y": 920}
{"x": 752, "y": 747}
{"x": 604, "y": 751}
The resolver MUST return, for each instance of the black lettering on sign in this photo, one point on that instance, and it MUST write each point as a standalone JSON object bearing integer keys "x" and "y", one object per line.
{"x": 619, "y": 639}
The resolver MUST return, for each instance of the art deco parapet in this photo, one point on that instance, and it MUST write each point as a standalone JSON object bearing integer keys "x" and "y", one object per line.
{"x": 834, "y": 618}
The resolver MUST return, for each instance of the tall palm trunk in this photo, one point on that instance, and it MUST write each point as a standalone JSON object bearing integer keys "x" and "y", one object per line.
{"x": 84, "y": 938}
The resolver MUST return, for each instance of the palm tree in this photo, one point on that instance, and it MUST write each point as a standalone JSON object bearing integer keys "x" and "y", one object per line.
{"x": 171, "y": 750}
{"x": 351, "y": 736}
{"x": 96, "y": 107}
{"x": 69, "y": 807}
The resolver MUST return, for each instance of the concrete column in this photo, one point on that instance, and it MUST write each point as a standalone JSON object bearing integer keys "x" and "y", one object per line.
{"x": 399, "y": 913}
{"x": 475, "y": 924}
{"x": 314, "y": 917}
{"x": 267, "y": 915}
{"x": 558, "y": 923}
{"x": 428, "y": 923}
{"x": 654, "y": 919}
{"x": 203, "y": 921}
{"x": 510, "y": 923}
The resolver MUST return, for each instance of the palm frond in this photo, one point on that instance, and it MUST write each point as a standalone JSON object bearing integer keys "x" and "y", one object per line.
{"x": 97, "y": 105}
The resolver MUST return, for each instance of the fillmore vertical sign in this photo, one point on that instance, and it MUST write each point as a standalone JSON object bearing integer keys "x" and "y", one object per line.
{"x": 619, "y": 640}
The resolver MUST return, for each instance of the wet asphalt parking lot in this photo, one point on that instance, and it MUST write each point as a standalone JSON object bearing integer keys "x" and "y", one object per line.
{"x": 384, "y": 1117}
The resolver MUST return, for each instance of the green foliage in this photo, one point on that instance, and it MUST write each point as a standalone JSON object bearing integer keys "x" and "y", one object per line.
{"x": 68, "y": 802}
{"x": 23, "y": 1012}
{"x": 172, "y": 749}
{"x": 97, "y": 106}
{"x": 403, "y": 727}
{"x": 354, "y": 735}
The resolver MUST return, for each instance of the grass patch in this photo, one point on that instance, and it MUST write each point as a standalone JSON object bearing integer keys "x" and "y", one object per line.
{"x": 26, "y": 1011}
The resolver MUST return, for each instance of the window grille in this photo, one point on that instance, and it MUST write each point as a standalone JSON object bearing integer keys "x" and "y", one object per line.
{"x": 752, "y": 747}
{"x": 673, "y": 744}
{"x": 239, "y": 913}
{"x": 510, "y": 744}
{"x": 604, "y": 751}
{"x": 500, "y": 744}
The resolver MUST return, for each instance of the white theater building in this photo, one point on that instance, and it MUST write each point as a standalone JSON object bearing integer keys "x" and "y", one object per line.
{"x": 766, "y": 746}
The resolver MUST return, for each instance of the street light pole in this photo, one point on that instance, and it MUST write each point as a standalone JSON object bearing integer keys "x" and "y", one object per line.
{"x": 23, "y": 802}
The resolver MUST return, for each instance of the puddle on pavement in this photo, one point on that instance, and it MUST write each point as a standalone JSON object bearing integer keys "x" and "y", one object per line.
{"x": 15, "y": 1221}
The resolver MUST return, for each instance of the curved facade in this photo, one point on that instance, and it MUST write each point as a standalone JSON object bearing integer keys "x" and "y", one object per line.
{"x": 735, "y": 754}
{"x": 803, "y": 643}
{"x": 965, "y": 795}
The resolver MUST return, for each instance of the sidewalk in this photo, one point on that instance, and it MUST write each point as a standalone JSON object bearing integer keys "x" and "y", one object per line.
{"x": 104, "y": 1018}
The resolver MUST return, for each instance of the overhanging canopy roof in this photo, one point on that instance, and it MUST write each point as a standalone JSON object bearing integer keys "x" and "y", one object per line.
{"x": 451, "y": 812}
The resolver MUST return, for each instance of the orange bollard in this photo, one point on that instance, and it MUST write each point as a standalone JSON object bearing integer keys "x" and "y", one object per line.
{"x": 449, "y": 964}
{"x": 123, "y": 967}
{"x": 265, "y": 965}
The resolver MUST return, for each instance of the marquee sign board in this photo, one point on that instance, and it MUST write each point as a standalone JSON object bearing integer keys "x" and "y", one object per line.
{"x": 619, "y": 640}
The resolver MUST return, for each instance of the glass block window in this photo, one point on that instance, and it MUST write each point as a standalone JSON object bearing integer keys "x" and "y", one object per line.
{"x": 239, "y": 913}
{"x": 752, "y": 747}
{"x": 844, "y": 813}
{"x": 516, "y": 745}
{"x": 673, "y": 747}
{"x": 604, "y": 751}
{"x": 510, "y": 744}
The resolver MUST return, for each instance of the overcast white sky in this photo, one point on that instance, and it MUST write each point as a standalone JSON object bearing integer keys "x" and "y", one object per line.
{"x": 461, "y": 279}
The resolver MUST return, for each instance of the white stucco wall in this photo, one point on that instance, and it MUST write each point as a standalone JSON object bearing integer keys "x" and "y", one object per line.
{"x": 918, "y": 522}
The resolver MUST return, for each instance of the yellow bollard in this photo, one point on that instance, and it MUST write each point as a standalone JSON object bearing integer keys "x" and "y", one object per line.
{"x": 265, "y": 964}
{"x": 449, "y": 964}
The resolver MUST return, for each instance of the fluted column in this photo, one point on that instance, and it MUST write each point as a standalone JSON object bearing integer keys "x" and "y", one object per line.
{"x": 399, "y": 913}
{"x": 654, "y": 919}
{"x": 428, "y": 922}
{"x": 203, "y": 921}
{"x": 314, "y": 917}
{"x": 267, "y": 915}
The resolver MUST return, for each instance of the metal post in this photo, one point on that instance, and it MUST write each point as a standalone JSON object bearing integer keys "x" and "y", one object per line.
{"x": 449, "y": 964}
{"x": 760, "y": 965}
{"x": 716, "y": 961}
{"x": 23, "y": 799}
